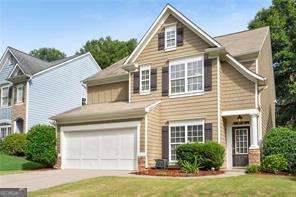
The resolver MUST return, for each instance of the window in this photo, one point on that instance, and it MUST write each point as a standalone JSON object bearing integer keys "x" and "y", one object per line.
{"x": 241, "y": 141}
{"x": 145, "y": 79}
{"x": 5, "y": 130}
{"x": 19, "y": 93}
{"x": 170, "y": 37}
{"x": 186, "y": 76}
{"x": 184, "y": 132}
{"x": 4, "y": 96}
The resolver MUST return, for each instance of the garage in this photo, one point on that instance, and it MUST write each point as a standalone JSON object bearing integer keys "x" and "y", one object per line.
{"x": 104, "y": 149}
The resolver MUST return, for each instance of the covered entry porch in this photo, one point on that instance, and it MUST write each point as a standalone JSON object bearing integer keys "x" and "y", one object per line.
{"x": 242, "y": 137}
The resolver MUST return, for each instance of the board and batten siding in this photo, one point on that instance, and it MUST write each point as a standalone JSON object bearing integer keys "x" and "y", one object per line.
{"x": 237, "y": 92}
{"x": 267, "y": 95}
{"x": 113, "y": 92}
{"x": 194, "y": 107}
{"x": 59, "y": 89}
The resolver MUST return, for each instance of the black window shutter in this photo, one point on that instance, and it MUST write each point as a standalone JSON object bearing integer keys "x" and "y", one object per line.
{"x": 23, "y": 98}
{"x": 161, "y": 41}
{"x": 153, "y": 83}
{"x": 180, "y": 35}
{"x": 165, "y": 142}
{"x": 208, "y": 74}
{"x": 165, "y": 81}
{"x": 136, "y": 81}
{"x": 14, "y": 94}
{"x": 208, "y": 132}
{"x": 10, "y": 95}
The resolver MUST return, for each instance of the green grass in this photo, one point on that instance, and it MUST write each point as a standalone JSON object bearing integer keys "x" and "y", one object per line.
{"x": 12, "y": 164}
{"x": 246, "y": 185}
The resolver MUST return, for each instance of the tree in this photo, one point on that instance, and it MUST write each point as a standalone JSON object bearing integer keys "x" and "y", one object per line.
{"x": 48, "y": 54}
{"x": 107, "y": 51}
{"x": 281, "y": 18}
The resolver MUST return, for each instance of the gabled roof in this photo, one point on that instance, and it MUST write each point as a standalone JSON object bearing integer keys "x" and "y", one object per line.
{"x": 168, "y": 9}
{"x": 106, "y": 111}
{"x": 29, "y": 64}
{"x": 244, "y": 42}
{"x": 111, "y": 72}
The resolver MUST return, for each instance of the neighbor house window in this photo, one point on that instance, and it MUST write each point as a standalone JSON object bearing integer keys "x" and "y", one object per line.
{"x": 5, "y": 130}
{"x": 184, "y": 132}
{"x": 4, "y": 96}
{"x": 170, "y": 37}
{"x": 145, "y": 79}
{"x": 19, "y": 93}
{"x": 186, "y": 76}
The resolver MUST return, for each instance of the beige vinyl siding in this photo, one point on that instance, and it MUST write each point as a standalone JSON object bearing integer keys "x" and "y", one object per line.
{"x": 113, "y": 92}
{"x": 154, "y": 136}
{"x": 237, "y": 92}
{"x": 251, "y": 65}
{"x": 267, "y": 95}
{"x": 193, "y": 107}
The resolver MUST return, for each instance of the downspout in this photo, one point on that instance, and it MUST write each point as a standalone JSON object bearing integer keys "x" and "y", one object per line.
{"x": 218, "y": 99}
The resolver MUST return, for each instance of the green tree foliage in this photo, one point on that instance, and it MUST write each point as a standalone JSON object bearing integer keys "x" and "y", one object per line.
{"x": 107, "y": 51}
{"x": 281, "y": 18}
{"x": 48, "y": 54}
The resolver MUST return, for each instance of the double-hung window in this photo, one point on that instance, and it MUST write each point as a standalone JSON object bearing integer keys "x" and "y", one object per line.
{"x": 145, "y": 79}
{"x": 4, "y": 96}
{"x": 5, "y": 130}
{"x": 170, "y": 37}
{"x": 186, "y": 76}
{"x": 184, "y": 132}
{"x": 19, "y": 93}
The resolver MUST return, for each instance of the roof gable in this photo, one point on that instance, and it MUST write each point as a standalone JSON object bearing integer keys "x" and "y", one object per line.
{"x": 169, "y": 10}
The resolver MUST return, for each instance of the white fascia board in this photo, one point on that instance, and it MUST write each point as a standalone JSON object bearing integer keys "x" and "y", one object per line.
{"x": 104, "y": 126}
{"x": 243, "y": 70}
{"x": 152, "y": 106}
{"x": 3, "y": 58}
{"x": 157, "y": 24}
{"x": 68, "y": 61}
{"x": 240, "y": 112}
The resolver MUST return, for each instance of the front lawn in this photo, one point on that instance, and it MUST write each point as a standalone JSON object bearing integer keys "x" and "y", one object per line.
{"x": 246, "y": 185}
{"x": 11, "y": 164}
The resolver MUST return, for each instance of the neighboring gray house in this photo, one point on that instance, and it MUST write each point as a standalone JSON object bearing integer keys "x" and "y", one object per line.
{"x": 32, "y": 90}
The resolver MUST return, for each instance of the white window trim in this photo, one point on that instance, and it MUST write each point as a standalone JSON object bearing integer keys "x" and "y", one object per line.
{"x": 186, "y": 124}
{"x": 7, "y": 86}
{"x": 6, "y": 127}
{"x": 185, "y": 61}
{"x": 166, "y": 29}
{"x": 17, "y": 90}
{"x": 142, "y": 68}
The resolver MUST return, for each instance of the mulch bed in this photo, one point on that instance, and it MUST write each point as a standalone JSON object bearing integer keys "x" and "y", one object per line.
{"x": 278, "y": 174}
{"x": 175, "y": 172}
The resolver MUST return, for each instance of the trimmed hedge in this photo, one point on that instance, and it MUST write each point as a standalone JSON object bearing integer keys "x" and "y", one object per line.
{"x": 274, "y": 163}
{"x": 14, "y": 144}
{"x": 253, "y": 168}
{"x": 41, "y": 145}
{"x": 282, "y": 141}
{"x": 209, "y": 155}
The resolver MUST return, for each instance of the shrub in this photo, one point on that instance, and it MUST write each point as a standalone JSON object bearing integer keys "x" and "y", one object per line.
{"x": 188, "y": 167}
{"x": 282, "y": 141}
{"x": 14, "y": 144}
{"x": 213, "y": 155}
{"x": 41, "y": 145}
{"x": 210, "y": 155}
{"x": 252, "y": 168}
{"x": 274, "y": 163}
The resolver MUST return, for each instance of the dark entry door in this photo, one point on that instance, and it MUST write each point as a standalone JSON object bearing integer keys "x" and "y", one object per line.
{"x": 240, "y": 145}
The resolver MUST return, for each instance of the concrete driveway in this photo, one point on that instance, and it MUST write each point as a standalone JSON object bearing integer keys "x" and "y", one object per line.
{"x": 44, "y": 179}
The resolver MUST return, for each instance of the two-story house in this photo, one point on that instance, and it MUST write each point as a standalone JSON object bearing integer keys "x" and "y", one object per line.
{"x": 179, "y": 85}
{"x": 32, "y": 90}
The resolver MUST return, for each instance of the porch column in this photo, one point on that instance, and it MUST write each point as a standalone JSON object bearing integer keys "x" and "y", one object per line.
{"x": 254, "y": 151}
{"x": 254, "y": 131}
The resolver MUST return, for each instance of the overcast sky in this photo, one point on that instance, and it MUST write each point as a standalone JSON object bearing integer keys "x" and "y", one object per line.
{"x": 67, "y": 25}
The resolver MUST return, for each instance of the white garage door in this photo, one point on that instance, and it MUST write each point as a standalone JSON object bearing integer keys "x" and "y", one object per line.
{"x": 106, "y": 150}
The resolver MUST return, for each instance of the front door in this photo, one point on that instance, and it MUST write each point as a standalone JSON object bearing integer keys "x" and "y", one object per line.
{"x": 240, "y": 145}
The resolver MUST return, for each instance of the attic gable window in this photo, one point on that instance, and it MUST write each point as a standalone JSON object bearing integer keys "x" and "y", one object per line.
{"x": 170, "y": 37}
